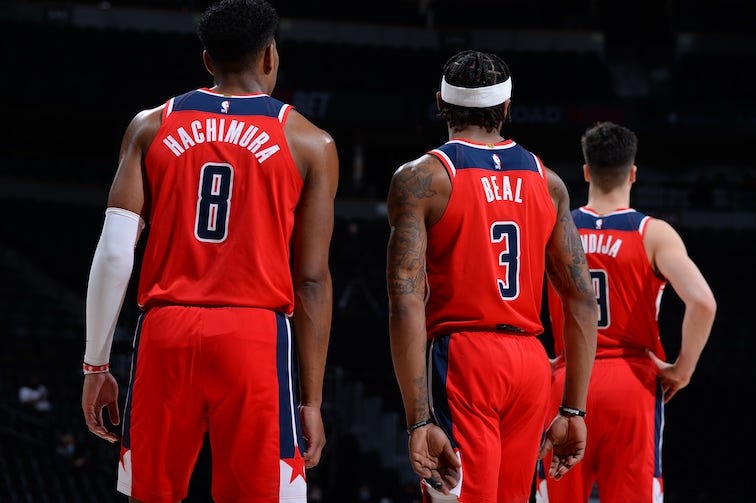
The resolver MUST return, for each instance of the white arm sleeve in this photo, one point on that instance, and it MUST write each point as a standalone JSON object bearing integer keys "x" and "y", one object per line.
{"x": 108, "y": 280}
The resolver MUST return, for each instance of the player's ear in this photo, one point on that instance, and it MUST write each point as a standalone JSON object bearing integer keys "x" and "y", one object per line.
{"x": 208, "y": 62}
{"x": 270, "y": 58}
{"x": 586, "y": 173}
{"x": 633, "y": 172}
{"x": 438, "y": 100}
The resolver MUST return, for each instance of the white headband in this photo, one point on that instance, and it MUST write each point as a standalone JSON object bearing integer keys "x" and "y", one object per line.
{"x": 476, "y": 97}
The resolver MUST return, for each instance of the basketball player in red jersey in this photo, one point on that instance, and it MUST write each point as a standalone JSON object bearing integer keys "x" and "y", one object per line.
{"x": 237, "y": 190}
{"x": 631, "y": 258}
{"x": 474, "y": 225}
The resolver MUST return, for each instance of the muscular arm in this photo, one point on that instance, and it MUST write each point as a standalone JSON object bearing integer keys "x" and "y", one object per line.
{"x": 669, "y": 257}
{"x": 418, "y": 194}
{"x": 317, "y": 159}
{"x": 128, "y": 188}
{"x": 408, "y": 203}
{"x": 111, "y": 270}
{"x": 567, "y": 271}
{"x": 114, "y": 256}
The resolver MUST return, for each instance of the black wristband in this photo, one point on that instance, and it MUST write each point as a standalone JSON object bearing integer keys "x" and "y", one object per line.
{"x": 419, "y": 424}
{"x": 570, "y": 411}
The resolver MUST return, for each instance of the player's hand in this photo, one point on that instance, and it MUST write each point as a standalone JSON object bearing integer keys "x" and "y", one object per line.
{"x": 313, "y": 432}
{"x": 672, "y": 378}
{"x": 100, "y": 392}
{"x": 433, "y": 458}
{"x": 566, "y": 439}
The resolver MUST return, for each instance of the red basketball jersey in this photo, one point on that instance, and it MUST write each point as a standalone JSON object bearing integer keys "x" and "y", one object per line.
{"x": 485, "y": 256}
{"x": 628, "y": 292}
{"x": 223, "y": 188}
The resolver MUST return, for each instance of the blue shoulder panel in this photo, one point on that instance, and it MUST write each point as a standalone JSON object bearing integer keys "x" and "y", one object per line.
{"x": 509, "y": 158}
{"x": 629, "y": 220}
{"x": 232, "y": 105}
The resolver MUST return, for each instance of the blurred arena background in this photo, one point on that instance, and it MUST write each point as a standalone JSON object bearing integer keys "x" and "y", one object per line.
{"x": 681, "y": 73}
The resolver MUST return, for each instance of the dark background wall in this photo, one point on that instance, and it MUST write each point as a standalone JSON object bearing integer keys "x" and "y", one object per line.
{"x": 680, "y": 73}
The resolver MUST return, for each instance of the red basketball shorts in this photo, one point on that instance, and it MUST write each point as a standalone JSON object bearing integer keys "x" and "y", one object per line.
{"x": 625, "y": 423}
{"x": 490, "y": 393}
{"x": 227, "y": 372}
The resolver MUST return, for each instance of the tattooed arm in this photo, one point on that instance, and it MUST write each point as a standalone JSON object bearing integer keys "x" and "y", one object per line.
{"x": 568, "y": 272}
{"x": 418, "y": 194}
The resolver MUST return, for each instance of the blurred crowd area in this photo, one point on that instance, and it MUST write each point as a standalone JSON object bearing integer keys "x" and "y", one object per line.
{"x": 685, "y": 86}
{"x": 569, "y": 15}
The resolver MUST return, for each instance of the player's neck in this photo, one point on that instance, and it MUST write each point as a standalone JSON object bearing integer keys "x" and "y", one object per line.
{"x": 607, "y": 202}
{"x": 476, "y": 134}
{"x": 239, "y": 84}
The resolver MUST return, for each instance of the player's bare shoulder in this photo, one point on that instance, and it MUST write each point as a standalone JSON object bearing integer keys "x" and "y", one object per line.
{"x": 310, "y": 145}
{"x": 557, "y": 188}
{"x": 660, "y": 234}
{"x": 144, "y": 127}
{"x": 662, "y": 243}
{"x": 420, "y": 186}
{"x": 421, "y": 178}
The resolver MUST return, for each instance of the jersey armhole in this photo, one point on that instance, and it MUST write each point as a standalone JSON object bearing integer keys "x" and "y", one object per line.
{"x": 283, "y": 114}
{"x": 448, "y": 165}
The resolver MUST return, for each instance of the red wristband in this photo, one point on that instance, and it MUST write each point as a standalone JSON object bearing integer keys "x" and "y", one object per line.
{"x": 95, "y": 369}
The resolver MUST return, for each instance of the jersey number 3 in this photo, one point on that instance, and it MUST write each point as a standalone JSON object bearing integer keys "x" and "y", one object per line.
{"x": 508, "y": 234}
{"x": 213, "y": 203}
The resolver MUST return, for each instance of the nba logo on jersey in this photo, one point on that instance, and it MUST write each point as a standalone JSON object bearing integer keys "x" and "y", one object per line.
{"x": 599, "y": 223}
{"x": 497, "y": 161}
{"x": 225, "y": 106}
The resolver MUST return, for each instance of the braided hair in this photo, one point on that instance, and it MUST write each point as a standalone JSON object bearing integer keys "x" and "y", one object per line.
{"x": 473, "y": 69}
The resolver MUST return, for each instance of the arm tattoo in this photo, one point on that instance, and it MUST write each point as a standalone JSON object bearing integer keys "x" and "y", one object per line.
{"x": 406, "y": 274}
{"x": 407, "y": 243}
{"x": 421, "y": 402}
{"x": 577, "y": 252}
{"x": 412, "y": 184}
{"x": 562, "y": 278}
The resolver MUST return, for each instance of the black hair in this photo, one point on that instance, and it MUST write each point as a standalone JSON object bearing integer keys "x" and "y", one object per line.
{"x": 233, "y": 30}
{"x": 474, "y": 69}
{"x": 609, "y": 151}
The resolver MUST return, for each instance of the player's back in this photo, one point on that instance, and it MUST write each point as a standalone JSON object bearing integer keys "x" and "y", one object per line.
{"x": 485, "y": 256}
{"x": 223, "y": 188}
{"x": 628, "y": 292}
